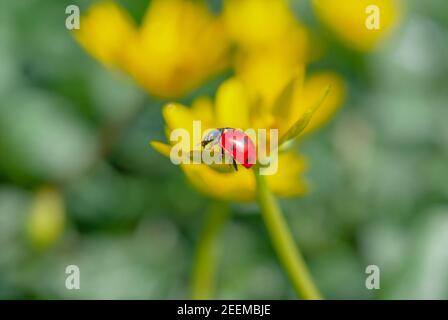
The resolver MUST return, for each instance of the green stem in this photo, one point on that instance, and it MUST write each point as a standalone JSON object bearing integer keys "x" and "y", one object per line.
{"x": 204, "y": 265}
{"x": 288, "y": 253}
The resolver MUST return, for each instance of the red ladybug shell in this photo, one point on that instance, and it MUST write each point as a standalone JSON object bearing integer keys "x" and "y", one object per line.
{"x": 240, "y": 146}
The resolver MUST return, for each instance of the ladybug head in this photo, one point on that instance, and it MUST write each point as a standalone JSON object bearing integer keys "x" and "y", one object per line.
{"x": 212, "y": 136}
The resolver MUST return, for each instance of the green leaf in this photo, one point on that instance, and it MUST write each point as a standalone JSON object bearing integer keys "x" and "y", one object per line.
{"x": 300, "y": 125}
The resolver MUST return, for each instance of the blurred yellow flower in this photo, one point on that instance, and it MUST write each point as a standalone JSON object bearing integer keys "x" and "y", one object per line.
{"x": 234, "y": 108}
{"x": 46, "y": 218}
{"x": 348, "y": 20}
{"x": 179, "y": 44}
{"x": 265, "y": 28}
{"x": 253, "y": 24}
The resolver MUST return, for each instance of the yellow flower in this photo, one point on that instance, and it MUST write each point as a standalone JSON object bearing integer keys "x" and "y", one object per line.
{"x": 348, "y": 20}
{"x": 178, "y": 46}
{"x": 234, "y": 108}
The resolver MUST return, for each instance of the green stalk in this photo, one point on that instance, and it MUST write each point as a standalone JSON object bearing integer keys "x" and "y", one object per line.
{"x": 283, "y": 243}
{"x": 204, "y": 264}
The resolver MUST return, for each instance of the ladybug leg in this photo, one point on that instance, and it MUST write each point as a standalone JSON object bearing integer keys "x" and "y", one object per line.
{"x": 208, "y": 143}
{"x": 204, "y": 143}
{"x": 214, "y": 143}
{"x": 235, "y": 165}
{"x": 222, "y": 155}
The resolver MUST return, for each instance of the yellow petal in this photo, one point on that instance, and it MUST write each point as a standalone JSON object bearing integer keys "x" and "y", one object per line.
{"x": 284, "y": 103}
{"x": 266, "y": 73}
{"x": 288, "y": 182}
{"x": 161, "y": 147}
{"x": 104, "y": 32}
{"x": 312, "y": 92}
{"x": 255, "y": 23}
{"x": 232, "y": 106}
{"x": 187, "y": 155}
{"x": 240, "y": 185}
{"x": 178, "y": 116}
{"x": 299, "y": 126}
{"x": 202, "y": 108}
{"x": 233, "y": 186}
{"x": 348, "y": 21}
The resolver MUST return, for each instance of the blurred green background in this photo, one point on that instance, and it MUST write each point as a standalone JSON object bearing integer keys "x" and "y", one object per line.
{"x": 379, "y": 173}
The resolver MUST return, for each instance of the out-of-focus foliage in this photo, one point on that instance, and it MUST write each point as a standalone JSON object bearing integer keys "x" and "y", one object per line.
{"x": 378, "y": 173}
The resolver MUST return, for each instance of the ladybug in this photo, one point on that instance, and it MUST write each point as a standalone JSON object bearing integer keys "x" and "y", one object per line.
{"x": 235, "y": 142}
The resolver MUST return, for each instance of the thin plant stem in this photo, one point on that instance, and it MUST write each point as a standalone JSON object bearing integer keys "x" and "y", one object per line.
{"x": 283, "y": 242}
{"x": 204, "y": 265}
